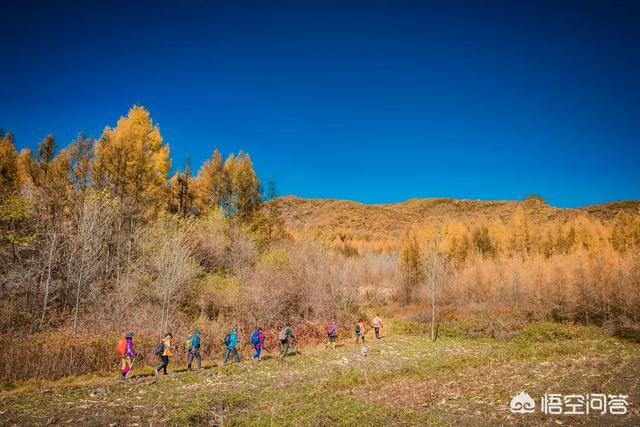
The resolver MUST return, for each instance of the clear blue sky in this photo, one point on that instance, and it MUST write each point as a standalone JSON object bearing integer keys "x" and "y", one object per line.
{"x": 374, "y": 101}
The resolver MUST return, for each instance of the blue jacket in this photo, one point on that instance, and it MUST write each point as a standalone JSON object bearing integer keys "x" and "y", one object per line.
{"x": 234, "y": 339}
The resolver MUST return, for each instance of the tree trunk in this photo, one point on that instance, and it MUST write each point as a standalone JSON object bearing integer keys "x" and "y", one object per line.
{"x": 46, "y": 288}
{"x": 433, "y": 312}
{"x": 75, "y": 315}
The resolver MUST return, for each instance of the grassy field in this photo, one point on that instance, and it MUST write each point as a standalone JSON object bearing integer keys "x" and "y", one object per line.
{"x": 398, "y": 380}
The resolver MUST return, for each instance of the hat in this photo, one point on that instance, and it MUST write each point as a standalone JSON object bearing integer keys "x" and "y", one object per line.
{"x": 197, "y": 332}
{"x": 129, "y": 335}
{"x": 168, "y": 334}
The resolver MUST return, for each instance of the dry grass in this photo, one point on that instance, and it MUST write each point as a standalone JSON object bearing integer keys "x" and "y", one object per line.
{"x": 402, "y": 380}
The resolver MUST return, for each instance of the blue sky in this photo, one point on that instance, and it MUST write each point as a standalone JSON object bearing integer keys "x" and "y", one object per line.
{"x": 373, "y": 101}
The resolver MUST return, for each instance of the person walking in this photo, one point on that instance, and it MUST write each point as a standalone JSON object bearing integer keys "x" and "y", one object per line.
{"x": 167, "y": 351}
{"x": 284, "y": 336}
{"x": 257, "y": 339}
{"x": 231, "y": 341}
{"x": 127, "y": 355}
{"x": 360, "y": 331}
{"x": 332, "y": 334}
{"x": 377, "y": 324}
{"x": 194, "y": 350}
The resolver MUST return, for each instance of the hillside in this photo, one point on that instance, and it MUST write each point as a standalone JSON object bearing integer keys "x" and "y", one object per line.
{"x": 329, "y": 218}
{"x": 610, "y": 210}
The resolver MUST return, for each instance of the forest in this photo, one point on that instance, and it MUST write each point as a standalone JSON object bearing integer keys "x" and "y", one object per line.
{"x": 100, "y": 237}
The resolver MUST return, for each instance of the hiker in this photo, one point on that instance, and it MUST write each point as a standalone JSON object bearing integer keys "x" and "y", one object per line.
{"x": 193, "y": 346}
{"x": 360, "y": 331}
{"x": 257, "y": 339}
{"x": 231, "y": 341}
{"x": 377, "y": 324}
{"x": 332, "y": 334}
{"x": 164, "y": 351}
{"x": 284, "y": 336}
{"x": 126, "y": 351}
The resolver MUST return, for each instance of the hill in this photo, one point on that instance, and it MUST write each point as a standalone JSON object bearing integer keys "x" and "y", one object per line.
{"x": 331, "y": 219}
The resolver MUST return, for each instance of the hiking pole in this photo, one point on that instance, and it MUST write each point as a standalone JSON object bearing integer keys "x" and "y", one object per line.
{"x": 126, "y": 377}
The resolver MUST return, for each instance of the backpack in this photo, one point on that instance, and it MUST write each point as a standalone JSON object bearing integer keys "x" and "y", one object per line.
{"x": 227, "y": 339}
{"x": 159, "y": 349}
{"x": 283, "y": 335}
{"x": 358, "y": 329}
{"x": 195, "y": 341}
{"x": 255, "y": 338}
{"x": 331, "y": 330}
{"x": 188, "y": 343}
{"x": 121, "y": 349}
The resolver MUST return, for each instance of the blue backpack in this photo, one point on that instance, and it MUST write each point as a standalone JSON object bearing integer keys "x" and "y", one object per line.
{"x": 195, "y": 341}
{"x": 255, "y": 338}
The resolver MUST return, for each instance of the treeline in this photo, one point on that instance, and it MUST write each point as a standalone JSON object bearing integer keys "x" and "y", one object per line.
{"x": 102, "y": 217}
{"x": 580, "y": 269}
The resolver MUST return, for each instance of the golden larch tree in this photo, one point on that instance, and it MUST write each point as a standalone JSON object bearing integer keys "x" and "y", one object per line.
{"x": 132, "y": 163}
{"x": 410, "y": 265}
{"x": 210, "y": 186}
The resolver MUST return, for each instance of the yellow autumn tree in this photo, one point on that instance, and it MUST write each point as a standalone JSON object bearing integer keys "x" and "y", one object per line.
{"x": 10, "y": 181}
{"x": 181, "y": 192}
{"x": 132, "y": 163}
{"x": 82, "y": 155}
{"x": 519, "y": 232}
{"x": 243, "y": 199}
{"x": 625, "y": 233}
{"x": 482, "y": 240}
{"x": 210, "y": 186}
{"x": 410, "y": 265}
{"x": 48, "y": 180}
{"x": 499, "y": 236}
{"x": 15, "y": 210}
{"x": 457, "y": 240}
{"x": 590, "y": 234}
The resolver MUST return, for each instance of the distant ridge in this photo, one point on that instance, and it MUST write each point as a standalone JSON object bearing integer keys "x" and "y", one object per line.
{"x": 326, "y": 217}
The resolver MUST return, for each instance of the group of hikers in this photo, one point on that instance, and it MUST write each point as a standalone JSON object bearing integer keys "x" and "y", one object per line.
{"x": 166, "y": 348}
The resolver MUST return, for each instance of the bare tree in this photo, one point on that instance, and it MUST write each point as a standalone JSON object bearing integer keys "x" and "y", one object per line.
{"x": 164, "y": 261}
{"x": 436, "y": 268}
{"x": 47, "y": 284}
{"x": 92, "y": 223}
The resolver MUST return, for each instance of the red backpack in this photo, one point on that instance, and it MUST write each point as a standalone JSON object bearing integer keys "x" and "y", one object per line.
{"x": 121, "y": 349}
